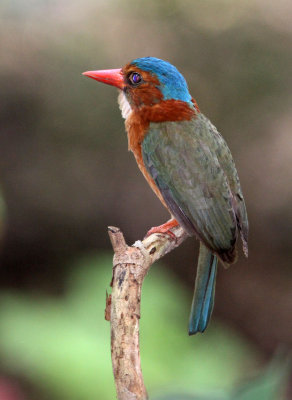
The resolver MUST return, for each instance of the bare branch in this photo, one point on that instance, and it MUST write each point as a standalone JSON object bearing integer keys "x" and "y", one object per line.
{"x": 130, "y": 266}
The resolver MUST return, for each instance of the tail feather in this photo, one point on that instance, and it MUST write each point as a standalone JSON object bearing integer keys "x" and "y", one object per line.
{"x": 203, "y": 300}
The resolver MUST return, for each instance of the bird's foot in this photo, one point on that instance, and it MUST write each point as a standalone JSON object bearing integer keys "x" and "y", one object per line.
{"x": 164, "y": 228}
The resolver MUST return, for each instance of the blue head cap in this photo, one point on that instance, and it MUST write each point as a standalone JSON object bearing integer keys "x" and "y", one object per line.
{"x": 172, "y": 84}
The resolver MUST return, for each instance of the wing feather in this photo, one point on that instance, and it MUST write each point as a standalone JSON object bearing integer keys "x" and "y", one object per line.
{"x": 195, "y": 173}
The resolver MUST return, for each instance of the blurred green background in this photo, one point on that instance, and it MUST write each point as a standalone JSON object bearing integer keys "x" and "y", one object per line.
{"x": 65, "y": 175}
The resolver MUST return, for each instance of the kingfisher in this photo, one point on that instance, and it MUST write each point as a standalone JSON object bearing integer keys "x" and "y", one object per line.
{"x": 188, "y": 165}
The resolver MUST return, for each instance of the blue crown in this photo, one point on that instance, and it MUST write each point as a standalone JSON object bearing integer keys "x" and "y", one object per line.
{"x": 172, "y": 84}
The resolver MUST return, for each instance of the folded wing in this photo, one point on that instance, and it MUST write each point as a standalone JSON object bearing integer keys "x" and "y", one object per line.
{"x": 195, "y": 173}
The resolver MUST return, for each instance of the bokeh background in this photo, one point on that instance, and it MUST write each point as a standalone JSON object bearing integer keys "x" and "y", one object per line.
{"x": 65, "y": 175}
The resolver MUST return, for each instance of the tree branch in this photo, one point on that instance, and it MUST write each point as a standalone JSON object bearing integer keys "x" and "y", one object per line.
{"x": 130, "y": 266}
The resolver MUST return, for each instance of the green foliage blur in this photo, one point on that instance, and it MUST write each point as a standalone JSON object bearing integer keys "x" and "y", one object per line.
{"x": 65, "y": 175}
{"x": 62, "y": 345}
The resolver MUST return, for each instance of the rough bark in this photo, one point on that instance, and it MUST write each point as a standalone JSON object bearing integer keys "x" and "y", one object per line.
{"x": 130, "y": 266}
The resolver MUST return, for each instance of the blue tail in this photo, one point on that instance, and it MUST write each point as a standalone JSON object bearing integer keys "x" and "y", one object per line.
{"x": 203, "y": 300}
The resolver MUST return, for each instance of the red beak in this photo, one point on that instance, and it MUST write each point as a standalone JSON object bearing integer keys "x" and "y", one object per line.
{"x": 112, "y": 77}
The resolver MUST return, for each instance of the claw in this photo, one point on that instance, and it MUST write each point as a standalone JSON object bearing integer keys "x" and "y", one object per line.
{"x": 164, "y": 228}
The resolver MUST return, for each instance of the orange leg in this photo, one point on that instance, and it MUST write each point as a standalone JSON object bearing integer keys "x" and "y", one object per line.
{"x": 164, "y": 228}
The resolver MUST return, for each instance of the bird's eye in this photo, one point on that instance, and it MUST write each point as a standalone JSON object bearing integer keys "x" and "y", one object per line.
{"x": 135, "y": 78}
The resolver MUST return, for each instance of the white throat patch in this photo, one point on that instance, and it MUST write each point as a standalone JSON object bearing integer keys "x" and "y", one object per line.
{"x": 124, "y": 105}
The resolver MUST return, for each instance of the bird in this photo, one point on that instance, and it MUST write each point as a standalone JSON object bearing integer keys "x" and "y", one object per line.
{"x": 187, "y": 163}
